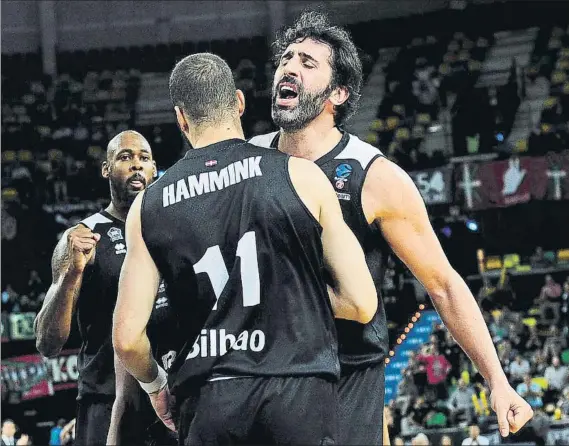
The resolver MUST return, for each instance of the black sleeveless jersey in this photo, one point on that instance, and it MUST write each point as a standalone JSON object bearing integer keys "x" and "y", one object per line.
{"x": 95, "y": 306}
{"x": 242, "y": 260}
{"x": 346, "y": 166}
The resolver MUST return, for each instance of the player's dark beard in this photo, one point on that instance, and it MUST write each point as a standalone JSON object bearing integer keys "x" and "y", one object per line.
{"x": 121, "y": 194}
{"x": 310, "y": 105}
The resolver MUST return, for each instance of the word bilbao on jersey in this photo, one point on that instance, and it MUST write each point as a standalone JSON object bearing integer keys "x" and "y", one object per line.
{"x": 212, "y": 181}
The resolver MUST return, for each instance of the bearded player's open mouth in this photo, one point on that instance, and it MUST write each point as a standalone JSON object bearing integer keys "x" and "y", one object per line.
{"x": 287, "y": 95}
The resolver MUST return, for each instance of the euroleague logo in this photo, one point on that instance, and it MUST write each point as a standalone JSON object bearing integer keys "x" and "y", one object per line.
{"x": 343, "y": 171}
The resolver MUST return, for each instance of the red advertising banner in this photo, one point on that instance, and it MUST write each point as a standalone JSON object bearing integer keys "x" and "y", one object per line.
{"x": 32, "y": 376}
{"x": 513, "y": 181}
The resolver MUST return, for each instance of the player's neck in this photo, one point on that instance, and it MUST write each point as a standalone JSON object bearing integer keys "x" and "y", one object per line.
{"x": 214, "y": 134}
{"x": 119, "y": 212}
{"x": 312, "y": 142}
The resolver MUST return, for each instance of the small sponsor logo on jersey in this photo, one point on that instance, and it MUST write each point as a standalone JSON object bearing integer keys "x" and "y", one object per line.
{"x": 120, "y": 248}
{"x": 340, "y": 184}
{"x": 342, "y": 196}
{"x": 162, "y": 287}
{"x": 161, "y": 302}
{"x": 207, "y": 182}
{"x": 168, "y": 359}
{"x": 218, "y": 343}
{"x": 210, "y": 163}
{"x": 343, "y": 171}
{"x": 115, "y": 234}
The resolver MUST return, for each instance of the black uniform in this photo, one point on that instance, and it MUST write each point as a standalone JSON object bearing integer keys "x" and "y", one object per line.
{"x": 242, "y": 260}
{"x": 362, "y": 348}
{"x": 95, "y": 307}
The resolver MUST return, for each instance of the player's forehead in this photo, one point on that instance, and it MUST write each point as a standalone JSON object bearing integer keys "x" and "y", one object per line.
{"x": 132, "y": 143}
{"x": 308, "y": 47}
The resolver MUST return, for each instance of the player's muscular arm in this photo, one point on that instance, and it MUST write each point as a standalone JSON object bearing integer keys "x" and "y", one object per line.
{"x": 138, "y": 285}
{"x": 398, "y": 207}
{"x": 73, "y": 253}
{"x": 353, "y": 294}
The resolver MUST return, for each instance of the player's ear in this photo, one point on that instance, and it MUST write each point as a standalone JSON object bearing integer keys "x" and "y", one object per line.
{"x": 105, "y": 169}
{"x": 154, "y": 170}
{"x": 182, "y": 122}
{"x": 339, "y": 96}
{"x": 240, "y": 102}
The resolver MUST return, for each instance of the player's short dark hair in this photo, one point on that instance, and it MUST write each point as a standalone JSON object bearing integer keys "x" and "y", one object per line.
{"x": 346, "y": 64}
{"x": 202, "y": 86}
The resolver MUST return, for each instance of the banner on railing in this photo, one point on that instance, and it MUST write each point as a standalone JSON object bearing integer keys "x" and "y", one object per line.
{"x": 22, "y": 326}
{"x": 435, "y": 185}
{"x": 31, "y": 376}
{"x": 516, "y": 180}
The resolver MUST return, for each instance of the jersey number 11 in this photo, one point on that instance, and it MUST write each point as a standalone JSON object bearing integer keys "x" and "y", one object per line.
{"x": 213, "y": 265}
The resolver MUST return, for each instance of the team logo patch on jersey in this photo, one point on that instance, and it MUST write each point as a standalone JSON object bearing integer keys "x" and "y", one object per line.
{"x": 115, "y": 234}
{"x": 343, "y": 171}
{"x": 120, "y": 248}
{"x": 210, "y": 163}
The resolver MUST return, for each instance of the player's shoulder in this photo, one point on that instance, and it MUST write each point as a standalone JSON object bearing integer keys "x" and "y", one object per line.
{"x": 267, "y": 140}
{"x": 96, "y": 219}
{"x": 359, "y": 151}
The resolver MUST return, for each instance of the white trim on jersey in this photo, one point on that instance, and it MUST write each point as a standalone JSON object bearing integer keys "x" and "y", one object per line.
{"x": 263, "y": 140}
{"x": 358, "y": 150}
{"x": 94, "y": 220}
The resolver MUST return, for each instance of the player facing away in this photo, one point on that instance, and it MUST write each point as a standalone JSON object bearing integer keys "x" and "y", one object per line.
{"x": 86, "y": 265}
{"x": 316, "y": 88}
{"x": 242, "y": 237}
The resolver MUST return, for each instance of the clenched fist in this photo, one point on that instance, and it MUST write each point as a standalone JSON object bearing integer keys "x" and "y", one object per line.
{"x": 81, "y": 243}
{"x": 512, "y": 410}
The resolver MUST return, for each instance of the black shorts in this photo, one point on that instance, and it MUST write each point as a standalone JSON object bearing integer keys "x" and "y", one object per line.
{"x": 93, "y": 419}
{"x": 261, "y": 410}
{"x": 361, "y": 400}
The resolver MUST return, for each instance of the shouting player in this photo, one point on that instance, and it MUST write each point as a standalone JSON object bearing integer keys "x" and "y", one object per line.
{"x": 86, "y": 266}
{"x": 241, "y": 236}
{"x": 316, "y": 88}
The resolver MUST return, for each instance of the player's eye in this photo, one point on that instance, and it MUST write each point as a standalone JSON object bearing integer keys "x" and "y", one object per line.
{"x": 124, "y": 157}
{"x": 145, "y": 158}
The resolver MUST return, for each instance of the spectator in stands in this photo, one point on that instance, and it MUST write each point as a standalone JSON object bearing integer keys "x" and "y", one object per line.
{"x": 555, "y": 342}
{"x": 498, "y": 327}
{"x": 437, "y": 368}
{"x": 538, "y": 260}
{"x": 474, "y": 437}
{"x": 55, "y": 433}
{"x": 406, "y": 391}
{"x": 420, "y": 440}
{"x": 533, "y": 341}
{"x": 519, "y": 369}
{"x": 505, "y": 352}
{"x": 453, "y": 353}
{"x": 446, "y": 440}
{"x": 538, "y": 363}
{"x": 540, "y": 424}
{"x": 8, "y": 432}
{"x": 564, "y": 307}
{"x": 460, "y": 403}
{"x": 398, "y": 441}
{"x": 9, "y": 297}
{"x": 67, "y": 435}
{"x": 563, "y": 402}
{"x": 557, "y": 375}
{"x": 549, "y": 298}
{"x": 531, "y": 392}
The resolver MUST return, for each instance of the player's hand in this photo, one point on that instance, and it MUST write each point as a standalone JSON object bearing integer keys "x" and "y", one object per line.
{"x": 161, "y": 402}
{"x": 81, "y": 243}
{"x": 512, "y": 410}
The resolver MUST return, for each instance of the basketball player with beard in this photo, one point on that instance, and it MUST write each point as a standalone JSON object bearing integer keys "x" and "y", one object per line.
{"x": 86, "y": 265}
{"x": 315, "y": 90}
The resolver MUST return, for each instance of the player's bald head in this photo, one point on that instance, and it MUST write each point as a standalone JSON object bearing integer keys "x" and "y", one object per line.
{"x": 126, "y": 139}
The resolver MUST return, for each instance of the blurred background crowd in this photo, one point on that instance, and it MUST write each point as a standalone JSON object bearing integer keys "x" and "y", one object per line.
{"x": 470, "y": 97}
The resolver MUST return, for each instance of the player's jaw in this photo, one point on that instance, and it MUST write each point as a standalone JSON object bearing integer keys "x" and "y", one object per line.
{"x": 293, "y": 106}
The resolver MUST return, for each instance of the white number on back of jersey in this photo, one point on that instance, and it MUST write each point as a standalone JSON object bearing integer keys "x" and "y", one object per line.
{"x": 213, "y": 265}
